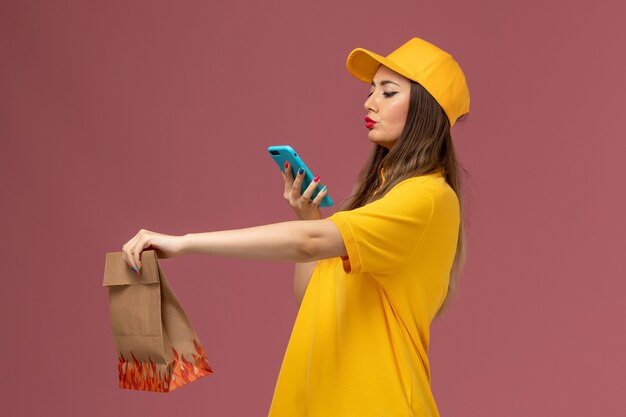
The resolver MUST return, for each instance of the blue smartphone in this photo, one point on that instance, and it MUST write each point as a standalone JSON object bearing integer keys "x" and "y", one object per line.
{"x": 282, "y": 153}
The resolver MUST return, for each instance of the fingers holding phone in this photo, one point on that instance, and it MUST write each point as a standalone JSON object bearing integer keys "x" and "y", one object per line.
{"x": 305, "y": 207}
{"x": 306, "y": 196}
{"x": 288, "y": 178}
{"x": 302, "y": 189}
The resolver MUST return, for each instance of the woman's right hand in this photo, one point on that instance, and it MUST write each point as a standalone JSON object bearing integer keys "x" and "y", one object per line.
{"x": 165, "y": 246}
{"x": 305, "y": 208}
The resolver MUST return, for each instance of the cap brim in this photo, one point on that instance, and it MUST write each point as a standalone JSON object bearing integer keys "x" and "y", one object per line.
{"x": 363, "y": 64}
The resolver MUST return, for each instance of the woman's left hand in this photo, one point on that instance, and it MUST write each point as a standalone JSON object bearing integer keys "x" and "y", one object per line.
{"x": 305, "y": 207}
{"x": 166, "y": 246}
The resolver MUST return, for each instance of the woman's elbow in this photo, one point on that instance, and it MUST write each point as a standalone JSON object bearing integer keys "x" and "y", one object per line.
{"x": 323, "y": 242}
{"x": 308, "y": 249}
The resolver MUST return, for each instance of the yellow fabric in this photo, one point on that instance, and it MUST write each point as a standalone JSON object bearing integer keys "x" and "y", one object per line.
{"x": 359, "y": 344}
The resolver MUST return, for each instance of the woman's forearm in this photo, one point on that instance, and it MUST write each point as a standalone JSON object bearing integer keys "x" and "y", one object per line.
{"x": 296, "y": 241}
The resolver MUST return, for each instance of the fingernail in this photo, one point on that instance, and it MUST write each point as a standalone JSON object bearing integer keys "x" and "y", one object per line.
{"x": 300, "y": 171}
{"x": 323, "y": 189}
{"x": 286, "y": 164}
{"x": 317, "y": 178}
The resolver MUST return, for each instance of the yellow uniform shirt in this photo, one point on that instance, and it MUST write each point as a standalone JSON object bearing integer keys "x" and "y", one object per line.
{"x": 359, "y": 344}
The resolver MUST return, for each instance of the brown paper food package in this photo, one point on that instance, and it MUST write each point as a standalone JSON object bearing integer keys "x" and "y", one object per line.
{"x": 157, "y": 347}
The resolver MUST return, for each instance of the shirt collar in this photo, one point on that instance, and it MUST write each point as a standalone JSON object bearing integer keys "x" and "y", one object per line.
{"x": 438, "y": 173}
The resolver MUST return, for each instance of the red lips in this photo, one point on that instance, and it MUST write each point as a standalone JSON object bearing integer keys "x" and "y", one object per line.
{"x": 369, "y": 123}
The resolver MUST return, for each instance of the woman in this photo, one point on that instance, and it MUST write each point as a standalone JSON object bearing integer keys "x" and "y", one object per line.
{"x": 372, "y": 276}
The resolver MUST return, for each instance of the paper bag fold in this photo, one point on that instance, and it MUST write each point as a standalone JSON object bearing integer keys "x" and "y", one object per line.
{"x": 158, "y": 349}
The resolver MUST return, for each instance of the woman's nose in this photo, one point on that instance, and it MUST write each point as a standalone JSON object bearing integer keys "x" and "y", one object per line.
{"x": 370, "y": 103}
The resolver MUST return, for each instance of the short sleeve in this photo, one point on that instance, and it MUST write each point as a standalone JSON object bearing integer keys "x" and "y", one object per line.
{"x": 381, "y": 236}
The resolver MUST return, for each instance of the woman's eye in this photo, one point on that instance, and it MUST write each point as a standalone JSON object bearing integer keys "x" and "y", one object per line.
{"x": 389, "y": 94}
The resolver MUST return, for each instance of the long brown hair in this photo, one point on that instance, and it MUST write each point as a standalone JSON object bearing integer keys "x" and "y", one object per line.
{"x": 424, "y": 146}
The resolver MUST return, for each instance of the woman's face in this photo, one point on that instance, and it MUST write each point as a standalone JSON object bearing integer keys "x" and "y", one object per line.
{"x": 387, "y": 106}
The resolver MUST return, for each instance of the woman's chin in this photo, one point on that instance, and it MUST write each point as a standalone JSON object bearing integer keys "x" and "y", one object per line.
{"x": 378, "y": 141}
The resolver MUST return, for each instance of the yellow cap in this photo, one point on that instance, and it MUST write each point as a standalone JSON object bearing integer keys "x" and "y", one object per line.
{"x": 423, "y": 63}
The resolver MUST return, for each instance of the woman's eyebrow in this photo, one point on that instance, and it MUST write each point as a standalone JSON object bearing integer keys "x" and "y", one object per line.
{"x": 383, "y": 82}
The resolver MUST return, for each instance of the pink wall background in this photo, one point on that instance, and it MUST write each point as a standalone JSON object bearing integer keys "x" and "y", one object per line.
{"x": 116, "y": 116}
